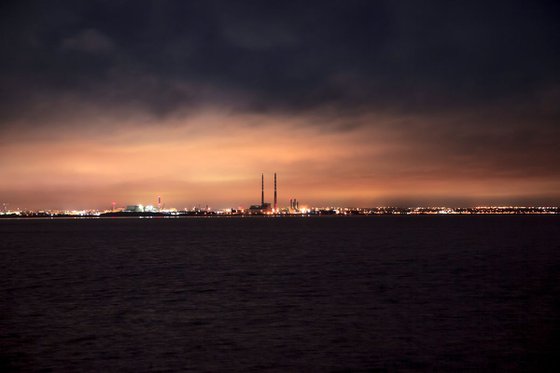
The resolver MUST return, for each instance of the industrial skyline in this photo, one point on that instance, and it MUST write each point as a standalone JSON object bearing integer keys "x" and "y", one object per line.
{"x": 270, "y": 209}
{"x": 265, "y": 207}
{"x": 292, "y": 206}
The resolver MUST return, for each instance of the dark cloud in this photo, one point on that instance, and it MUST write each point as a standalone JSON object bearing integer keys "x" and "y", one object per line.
{"x": 286, "y": 56}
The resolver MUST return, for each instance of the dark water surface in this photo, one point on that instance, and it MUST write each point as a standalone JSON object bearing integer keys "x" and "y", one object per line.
{"x": 286, "y": 294}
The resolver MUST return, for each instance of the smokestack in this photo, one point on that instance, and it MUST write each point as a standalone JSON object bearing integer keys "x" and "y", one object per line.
{"x": 262, "y": 190}
{"x": 275, "y": 195}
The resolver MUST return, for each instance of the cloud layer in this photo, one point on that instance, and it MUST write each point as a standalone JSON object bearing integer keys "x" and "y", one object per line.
{"x": 361, "y": 102}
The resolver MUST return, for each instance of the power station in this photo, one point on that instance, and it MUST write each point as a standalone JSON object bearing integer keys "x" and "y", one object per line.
{"x": 266, "y": 207}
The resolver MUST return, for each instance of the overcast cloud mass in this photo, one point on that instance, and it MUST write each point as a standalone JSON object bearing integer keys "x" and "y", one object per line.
{"x": 352, "y": 102}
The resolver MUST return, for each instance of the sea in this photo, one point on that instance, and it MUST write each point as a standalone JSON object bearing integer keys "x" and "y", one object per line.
{"x": 291, "y": 294}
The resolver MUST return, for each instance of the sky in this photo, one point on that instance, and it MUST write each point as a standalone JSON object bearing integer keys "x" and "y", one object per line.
{"x": 355, "y": 103}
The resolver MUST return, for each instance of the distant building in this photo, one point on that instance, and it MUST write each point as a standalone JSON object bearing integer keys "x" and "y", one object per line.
{"x": 264, "y": 207}
{"x": 134, "y": 208}
{"x": 260, "y": 209}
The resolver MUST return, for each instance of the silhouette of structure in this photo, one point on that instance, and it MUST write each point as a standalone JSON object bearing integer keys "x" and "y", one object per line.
{"x": 264, "y": 207}
{"x": 294, "y": 205}
{"x": 275, "y": 195}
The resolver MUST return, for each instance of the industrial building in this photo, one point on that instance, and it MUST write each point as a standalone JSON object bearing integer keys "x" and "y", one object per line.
{"x": 266, "y": 207}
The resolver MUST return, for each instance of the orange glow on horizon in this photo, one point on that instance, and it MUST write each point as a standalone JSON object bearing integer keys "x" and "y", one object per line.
{"x": 217, "y": 159}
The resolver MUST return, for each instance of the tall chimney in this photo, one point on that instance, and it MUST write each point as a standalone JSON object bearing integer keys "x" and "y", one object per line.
{"x": 275, "y": 195}
{"x": 262, "y": 190}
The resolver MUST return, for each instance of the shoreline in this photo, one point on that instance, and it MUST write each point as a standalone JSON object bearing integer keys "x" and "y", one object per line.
{"x": 220, "y": 216}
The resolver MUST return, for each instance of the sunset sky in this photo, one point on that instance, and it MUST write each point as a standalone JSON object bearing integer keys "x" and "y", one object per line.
{"x": 357, "y": 103}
